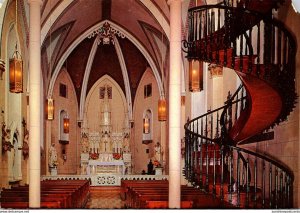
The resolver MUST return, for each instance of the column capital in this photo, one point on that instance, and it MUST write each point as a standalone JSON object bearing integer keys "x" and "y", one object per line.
{"x": 172, "y": 1}
{"x": 35, "y": 1}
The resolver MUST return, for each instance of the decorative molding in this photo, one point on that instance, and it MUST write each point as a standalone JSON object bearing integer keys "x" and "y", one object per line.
{"x": 106, "y": 34}
{"x": 215, "y": 70}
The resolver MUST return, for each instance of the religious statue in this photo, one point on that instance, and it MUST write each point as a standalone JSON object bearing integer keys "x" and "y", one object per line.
{"x": 126, "y": 148}
{"x": 84, "y": 143}
{"x": 6, "y": 144}
{"x": 25, "y": 147}
{"x": 52, "y": 156}
{"x": 157, "y": 149}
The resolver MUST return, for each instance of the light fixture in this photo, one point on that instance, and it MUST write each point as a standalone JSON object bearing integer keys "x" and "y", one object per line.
{"x": 146, "y": 125}
{"x": 195, "y": 75}
{"x": 162, "y": 103}
{"x": 16, "y": 72}
{"x": 50, "y": 109}
{"x": 16, "y": 66}
{"x": 66, "y": 125}
{"x": 162, "y": 109}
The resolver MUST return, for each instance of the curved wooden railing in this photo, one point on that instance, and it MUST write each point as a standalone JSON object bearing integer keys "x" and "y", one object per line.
{"x": 262, "y": 52}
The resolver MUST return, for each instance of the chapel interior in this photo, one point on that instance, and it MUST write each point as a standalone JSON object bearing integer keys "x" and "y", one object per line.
{"x": 141, "y": 104}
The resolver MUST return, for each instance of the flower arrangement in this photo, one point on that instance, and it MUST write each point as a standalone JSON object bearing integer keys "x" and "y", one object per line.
{"x": 116, "y": 156}
{"x": 94, "y": 156}
{"x": 156, "y": 163}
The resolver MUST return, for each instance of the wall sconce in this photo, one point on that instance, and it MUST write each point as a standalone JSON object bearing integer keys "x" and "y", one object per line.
{"x": 50, "y": 109}
{"x": 2, "y": 68}
{"x": 162, "y": 109}
{"x": 66, "y": 125}
{"x": 195, "y": 76}
{"x": 16, "y": 72}
{"x": 146, "y": 125}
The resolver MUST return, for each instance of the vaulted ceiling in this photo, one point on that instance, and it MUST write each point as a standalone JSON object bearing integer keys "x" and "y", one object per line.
{"x": 144, "y": 45}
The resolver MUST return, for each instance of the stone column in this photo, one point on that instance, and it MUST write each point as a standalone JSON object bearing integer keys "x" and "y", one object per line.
{"x": 35, "y": 103}
{"x": 175, "y": 104}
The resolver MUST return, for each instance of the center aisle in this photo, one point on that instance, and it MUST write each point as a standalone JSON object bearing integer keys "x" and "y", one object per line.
{"x": 103, "y": 197}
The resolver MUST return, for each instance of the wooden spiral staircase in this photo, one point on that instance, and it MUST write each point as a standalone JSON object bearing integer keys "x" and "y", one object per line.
{"x": 242, "y": 35}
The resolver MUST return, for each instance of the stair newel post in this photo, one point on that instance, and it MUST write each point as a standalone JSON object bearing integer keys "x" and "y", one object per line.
{"x": 263, "y": 183}
{"x": 270, "y": 186}
{"x": 197, "y": 152}
{"x": 238, "y": 178}
{"x": 276, "y": 187}
{"x": 255, "y": 182}
{"x": 222, "y": 173}
{"x": 247, "y": 183}
{"x": 258, "y": 50}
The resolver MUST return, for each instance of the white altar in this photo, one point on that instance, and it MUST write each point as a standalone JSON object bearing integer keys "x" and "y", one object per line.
{"x": 106, "y": 149}
{"x": 103, "y": 167}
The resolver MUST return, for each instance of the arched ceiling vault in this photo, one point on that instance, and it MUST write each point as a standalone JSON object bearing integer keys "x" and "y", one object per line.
{"x": 65, "y": 22}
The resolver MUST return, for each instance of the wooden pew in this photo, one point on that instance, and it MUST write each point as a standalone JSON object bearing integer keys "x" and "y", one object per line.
{"x": 67, "y": 193}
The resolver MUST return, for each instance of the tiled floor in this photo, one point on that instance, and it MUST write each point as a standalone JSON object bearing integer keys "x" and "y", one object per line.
{"x": 105, "y": 198}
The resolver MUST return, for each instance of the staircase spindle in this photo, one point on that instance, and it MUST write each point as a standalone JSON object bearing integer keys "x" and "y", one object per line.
{"x": 222, "y": 173}
{"x": 258, "y": 50}
{"x": 263, "y": 184}
{"x": 279, "y": 52}
{"x": 206, "y": 35}
{"x": 255, "y": 182}
{"x": 276, "y": 188}
{"x": 250, "y": 52}
{"x": 270, "y": 186}
{"x": 238, "y": 178}
{"x": 241, "y": 52}
{"x": 247, "y": 183}
{"x": 201, "y": 165}
{"x": 207, "y": 165}
{"x": 211, "y": 43}
{"x": 281, "y": 190}
{"x": 218, "y": 38}
{"x": 231, "y": 187}
{"x": 284, "y": 50}
{"x": 214, "y": 168}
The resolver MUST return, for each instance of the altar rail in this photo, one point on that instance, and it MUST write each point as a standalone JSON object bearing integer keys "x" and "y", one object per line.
{"x": 106, "y": 179}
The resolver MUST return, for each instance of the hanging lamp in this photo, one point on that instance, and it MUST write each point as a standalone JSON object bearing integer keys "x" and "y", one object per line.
{"x": 195, "y": 75}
